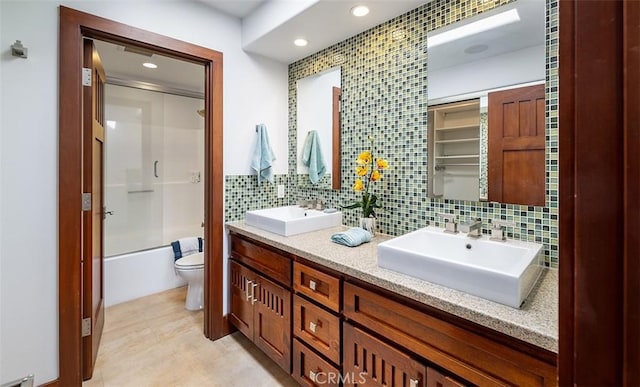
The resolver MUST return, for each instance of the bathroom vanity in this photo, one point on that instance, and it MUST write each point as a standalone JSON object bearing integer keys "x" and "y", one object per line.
{"x": 328, "y": 315}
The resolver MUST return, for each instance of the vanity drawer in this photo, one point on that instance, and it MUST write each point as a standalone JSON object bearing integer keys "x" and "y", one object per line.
{"x": 309, "y": 369}
{"x": 319, "y": 286}
{"x": 317, "y": 327}
{"x": 262, "y": 259}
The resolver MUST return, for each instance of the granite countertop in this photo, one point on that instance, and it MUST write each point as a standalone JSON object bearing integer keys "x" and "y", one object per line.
{"x": 536, "y": 322}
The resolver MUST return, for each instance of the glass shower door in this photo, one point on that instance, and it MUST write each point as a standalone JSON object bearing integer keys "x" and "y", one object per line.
{"x": 133, "y": 169}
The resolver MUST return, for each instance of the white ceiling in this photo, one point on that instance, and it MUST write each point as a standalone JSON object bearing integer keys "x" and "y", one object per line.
{"x": 237, "y": 8}
{"x": 527, "y": 32}
{"x": 323, "y": 24}
{"x": 171, "y": 73}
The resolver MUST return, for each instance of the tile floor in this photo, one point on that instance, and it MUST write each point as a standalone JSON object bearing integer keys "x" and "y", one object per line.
{"x": 154, "y": 341}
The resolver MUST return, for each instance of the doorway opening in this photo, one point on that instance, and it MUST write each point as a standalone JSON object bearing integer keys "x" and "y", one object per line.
{"x": 76, "y": 26}
{"x": 153, "y": 171}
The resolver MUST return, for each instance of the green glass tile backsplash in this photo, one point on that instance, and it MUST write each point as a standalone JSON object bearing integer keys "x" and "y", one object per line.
{"x": 384, "y": 92}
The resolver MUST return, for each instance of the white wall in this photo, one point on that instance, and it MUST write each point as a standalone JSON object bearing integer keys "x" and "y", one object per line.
{"x": 2, "y": 300}
{"x": 255, "y": 90}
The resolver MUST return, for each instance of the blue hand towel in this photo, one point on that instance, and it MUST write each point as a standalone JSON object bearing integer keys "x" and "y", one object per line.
{"x": 312, "y": 157}
{"x": 353, "y": 237}
{"x": 263, "y": 156}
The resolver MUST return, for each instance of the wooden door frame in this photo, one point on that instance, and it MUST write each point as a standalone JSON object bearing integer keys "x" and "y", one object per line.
{"x": 599, "y": 190}
{"x": 74, "y": 26}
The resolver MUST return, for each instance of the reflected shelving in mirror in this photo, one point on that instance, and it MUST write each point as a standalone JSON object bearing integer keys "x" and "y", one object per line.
{"x": 455, "y": 148}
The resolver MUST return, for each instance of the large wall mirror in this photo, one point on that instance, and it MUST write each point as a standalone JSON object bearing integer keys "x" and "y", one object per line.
{"x": 318, "y": 130}
{"x": 486, "y": 90}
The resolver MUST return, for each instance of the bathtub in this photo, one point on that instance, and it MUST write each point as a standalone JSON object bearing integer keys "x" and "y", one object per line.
{"x": 133, "y": 275}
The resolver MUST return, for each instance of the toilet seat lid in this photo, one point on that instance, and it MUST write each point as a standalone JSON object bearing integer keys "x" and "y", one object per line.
{"x": 191, "y": 261}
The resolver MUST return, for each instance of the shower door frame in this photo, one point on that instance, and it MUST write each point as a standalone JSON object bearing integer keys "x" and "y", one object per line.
{"x": 74, "y": 26}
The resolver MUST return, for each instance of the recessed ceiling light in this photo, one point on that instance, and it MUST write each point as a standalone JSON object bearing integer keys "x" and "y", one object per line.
{"x": 150, "y": 65}
{"x": 478, "y": 26}
{"x": 300, "y": 42}
{"x": 478, "y": 48}
{"x": 359, "y": 10}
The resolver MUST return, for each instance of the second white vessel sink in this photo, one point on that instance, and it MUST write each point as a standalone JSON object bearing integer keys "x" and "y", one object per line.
{"x": 292, "y": 220}
{"x": 503, "y": 272}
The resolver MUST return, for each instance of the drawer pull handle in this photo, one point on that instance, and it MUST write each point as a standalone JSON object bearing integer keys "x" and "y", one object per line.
{"x": 413, "y": 382}
{"x": 253, "y": 293}
{"x": 313, "y": 375}
{"x": 312, "y": 285}
{"x": 249, "y": 293}
{"x": 314, "y": 325}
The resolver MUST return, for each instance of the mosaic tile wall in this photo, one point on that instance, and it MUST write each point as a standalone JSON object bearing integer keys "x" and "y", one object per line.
{"x": 242, "y": 193}
{"x": 384, "y": 91}
{"x": 324, "y": 183}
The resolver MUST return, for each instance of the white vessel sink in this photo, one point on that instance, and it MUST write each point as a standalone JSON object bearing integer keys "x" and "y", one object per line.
{"x": 292, "y": 220}
{"x": 503, "y": 272}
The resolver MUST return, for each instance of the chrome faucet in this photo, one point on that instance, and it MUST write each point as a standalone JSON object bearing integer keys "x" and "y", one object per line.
{"x": 312, "y": 204}
{"x": 498, "y": 229}
{"x": 473, "y": 228}
{"x": 450, "y": 225}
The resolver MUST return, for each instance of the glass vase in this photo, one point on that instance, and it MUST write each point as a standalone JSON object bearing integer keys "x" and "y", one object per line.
{"x": 368, "y": 224}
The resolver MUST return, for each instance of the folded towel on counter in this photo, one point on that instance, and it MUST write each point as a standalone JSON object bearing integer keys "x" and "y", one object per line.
{"x": 187, "y": 246}
{"x": 263, "y": 156}
{"x": 353, "y": 237}
{"x": 312, "y": 157}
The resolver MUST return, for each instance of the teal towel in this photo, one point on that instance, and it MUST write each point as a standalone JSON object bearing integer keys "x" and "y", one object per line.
{"x": 353, "y": 237}
{"x": 312, "y": 157}
{"x": 263, "y": 156}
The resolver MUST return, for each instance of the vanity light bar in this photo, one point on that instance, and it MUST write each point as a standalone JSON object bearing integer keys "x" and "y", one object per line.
{"x": 476, "y": 27}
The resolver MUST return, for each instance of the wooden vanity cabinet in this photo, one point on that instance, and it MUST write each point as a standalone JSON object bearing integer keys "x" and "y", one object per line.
{"x": 467, "y": 352}
{"x": 261, "y": 307}
{"x": 337, "y": 329}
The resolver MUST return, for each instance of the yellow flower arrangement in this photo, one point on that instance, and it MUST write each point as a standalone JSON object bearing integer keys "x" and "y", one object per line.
{"x": 369, "y": 169}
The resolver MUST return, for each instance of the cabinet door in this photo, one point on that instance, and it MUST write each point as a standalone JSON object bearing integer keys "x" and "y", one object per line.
{"x": 517, "y": 146}
{"x": 371, "y": 362}
{"x": 272, "y": 322}
{"x": 242, "y": 285}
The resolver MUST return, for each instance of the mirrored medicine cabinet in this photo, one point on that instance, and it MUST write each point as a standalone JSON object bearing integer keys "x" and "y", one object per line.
{"x": 486, "y": 91}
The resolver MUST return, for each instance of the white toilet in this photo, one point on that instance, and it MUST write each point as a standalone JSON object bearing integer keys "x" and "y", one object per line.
{"x": 191, "y": 268}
